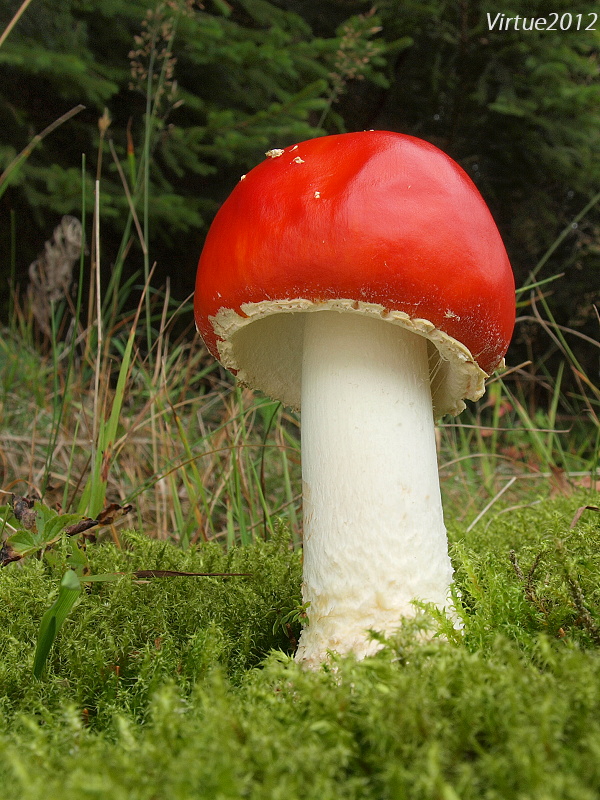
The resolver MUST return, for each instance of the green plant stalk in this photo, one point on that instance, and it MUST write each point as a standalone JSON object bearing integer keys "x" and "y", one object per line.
{"x": 131, "y": 157}
{"x": 146, "y": 191}
{"x": 65, "y": 498}
{"x": 496, "y": 392}
{"x": 536, "y": 439}
{"x": 195, "y": 485}
{"x": 527, "y": 287}
{"x": 289, "y": 496}
{"x": 559, "y": 239}
{"x": 107, "y": 435}
{"x": 556, "y": 333}
{"x": 487, "y": 467}
{"x": 553, "y": 439}
{"x": 267, "y": 522}
{"x": 99, "y": 322}
{"x": 239, "y": 506}
{"x": 244, "y": 500}
{"x": 177, "y": 511}
{"x": 151, "y": 117}
{"x": 53, "y": 619}
{"x": 268, "y": 422}
{"x": 231, "y": 537}
{"x": 94, "y": 493}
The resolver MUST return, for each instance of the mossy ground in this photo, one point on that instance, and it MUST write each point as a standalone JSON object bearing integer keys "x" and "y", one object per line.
{"x": 185, "y": 687}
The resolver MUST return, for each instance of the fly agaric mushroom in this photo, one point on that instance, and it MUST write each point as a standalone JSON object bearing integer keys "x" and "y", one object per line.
{"x": 361, "y": 278}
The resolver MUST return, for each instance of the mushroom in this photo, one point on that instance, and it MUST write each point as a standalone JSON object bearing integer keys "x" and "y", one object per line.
{"x": 360, "y": 278}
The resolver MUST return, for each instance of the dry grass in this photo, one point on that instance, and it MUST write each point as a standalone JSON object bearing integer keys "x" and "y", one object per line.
{"x": 191, "y": 451}
{"x": 201, "y": 459}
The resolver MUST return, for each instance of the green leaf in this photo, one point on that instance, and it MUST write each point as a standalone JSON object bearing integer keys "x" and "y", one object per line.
{"x": 53, "y": 619}
{"x": 54, "y": 527}
{"x": 77, "y": 556}
{"x": 25, "y": 542}
{"x": 45, "y": 515}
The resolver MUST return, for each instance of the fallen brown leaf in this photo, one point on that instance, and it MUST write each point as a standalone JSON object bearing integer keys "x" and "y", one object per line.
{"x": 579, "y": 512}
{"x": 112, "y": 513}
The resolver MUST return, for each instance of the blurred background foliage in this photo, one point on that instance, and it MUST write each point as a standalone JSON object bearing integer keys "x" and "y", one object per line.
{"x": 228, "y": 79}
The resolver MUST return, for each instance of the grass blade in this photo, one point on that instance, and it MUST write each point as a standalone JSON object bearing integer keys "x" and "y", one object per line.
{"x": 14, "y": 20}
{"x": 15, "y": 165}
{"x": 53, "y": 619}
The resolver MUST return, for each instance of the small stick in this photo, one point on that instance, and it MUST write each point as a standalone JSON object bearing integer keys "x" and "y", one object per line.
{"x": 14, "y": 21}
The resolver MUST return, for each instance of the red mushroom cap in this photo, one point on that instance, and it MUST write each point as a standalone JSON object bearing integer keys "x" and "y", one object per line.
{"x": 375, "y": 222}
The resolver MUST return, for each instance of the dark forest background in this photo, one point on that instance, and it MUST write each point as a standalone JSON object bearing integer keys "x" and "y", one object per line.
{"x": 230, "y": 79}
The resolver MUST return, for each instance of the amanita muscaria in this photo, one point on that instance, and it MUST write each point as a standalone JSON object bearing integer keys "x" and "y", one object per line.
{"x": 361, "y": 278}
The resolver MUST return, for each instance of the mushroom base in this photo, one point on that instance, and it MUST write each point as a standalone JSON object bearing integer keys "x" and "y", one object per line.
{"x": 374, "y": 536}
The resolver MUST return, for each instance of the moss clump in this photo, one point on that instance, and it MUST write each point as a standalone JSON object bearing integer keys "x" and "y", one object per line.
{"x": 528, "y": 573}
{"x": 198, "y": 708}
{"x": 124, "y": 639}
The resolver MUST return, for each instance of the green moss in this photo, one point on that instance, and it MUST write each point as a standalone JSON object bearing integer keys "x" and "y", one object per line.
{"x": 198, "y": 708}
{"x": 528, "y": 572}
{"x": 124, "y": 639}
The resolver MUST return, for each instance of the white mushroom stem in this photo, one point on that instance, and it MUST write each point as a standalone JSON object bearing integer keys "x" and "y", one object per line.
{"x": 374, "y": 535}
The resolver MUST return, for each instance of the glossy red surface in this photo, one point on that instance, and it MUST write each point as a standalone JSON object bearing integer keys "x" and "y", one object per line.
{"x": 374, "y": 216}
